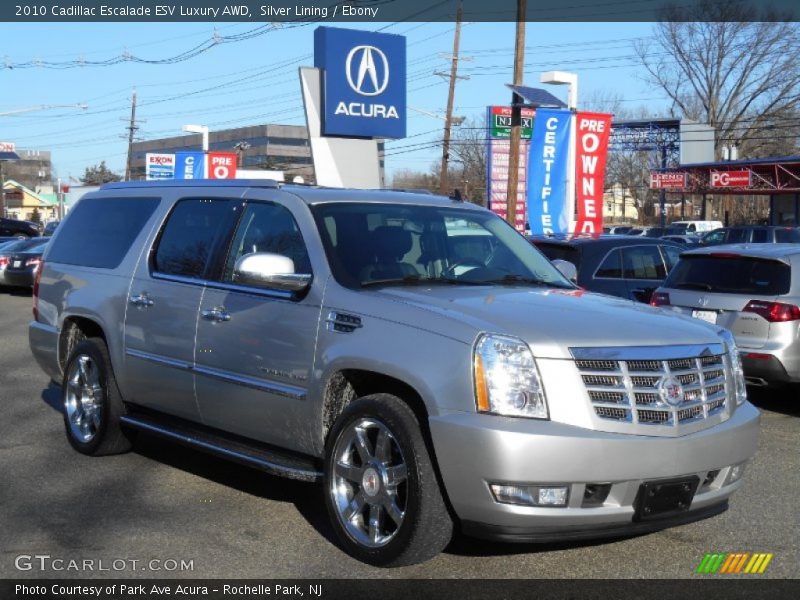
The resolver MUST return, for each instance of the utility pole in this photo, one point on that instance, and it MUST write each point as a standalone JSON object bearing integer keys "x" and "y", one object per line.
{"x": 132, "y": 127}
{"x": 516, "y": 117}
{"x": 443, "y": 176}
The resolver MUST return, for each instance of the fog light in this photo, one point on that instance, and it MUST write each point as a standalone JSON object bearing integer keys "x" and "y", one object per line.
{"x": 531, "y": 495}
{"x": 735, "y": 474}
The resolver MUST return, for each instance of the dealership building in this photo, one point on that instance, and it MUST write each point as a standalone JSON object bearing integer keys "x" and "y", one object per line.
{"x": 269, "y": 147}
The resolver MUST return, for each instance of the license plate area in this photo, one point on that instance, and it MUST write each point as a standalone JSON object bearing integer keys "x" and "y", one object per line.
{"x": 658, "y": 499}
{"x": 710, "y": 316}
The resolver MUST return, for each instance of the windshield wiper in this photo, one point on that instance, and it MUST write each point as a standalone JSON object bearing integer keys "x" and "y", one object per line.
{"x": 690, "y": 285}
{"x": 517, "y": 279}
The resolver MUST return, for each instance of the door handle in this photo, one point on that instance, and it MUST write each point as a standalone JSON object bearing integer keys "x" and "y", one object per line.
{"x": 142, "y": 300}
{"x": 216, "y": 314}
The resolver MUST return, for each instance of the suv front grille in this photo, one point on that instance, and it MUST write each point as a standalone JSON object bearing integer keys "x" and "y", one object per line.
{"x": 635, "y": 391}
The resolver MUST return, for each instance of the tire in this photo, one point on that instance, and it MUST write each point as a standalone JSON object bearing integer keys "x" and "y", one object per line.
{"x": 383, "y": 497}
{"x": 21, "y": 236}
{"x": 91, "y": 402}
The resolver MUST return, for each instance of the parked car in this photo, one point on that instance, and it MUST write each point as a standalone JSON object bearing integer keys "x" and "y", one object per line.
{"x": 752, "y": 234}
{"x": 22, "y": 263}
{"x": 50, "y": 228}
{"x": 10, "y": 248}
{"x": 617, "y": 229}
{"x": 18, "y": 229}
{"x": 684, "y": 240}
{"x": 754, "y": 291}
{"x": 693, "y": 227}
{"x": 350, "y": 337}
{"x": 651, "y": 232}
{"x": 624, "y": 266}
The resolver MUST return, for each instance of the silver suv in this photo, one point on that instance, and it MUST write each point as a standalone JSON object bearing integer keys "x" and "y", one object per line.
{"x": 413, "y": 353}
{"x": 754, "y": 291}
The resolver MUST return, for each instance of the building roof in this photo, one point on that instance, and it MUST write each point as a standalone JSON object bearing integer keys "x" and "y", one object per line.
{"x": 12, "y": 184}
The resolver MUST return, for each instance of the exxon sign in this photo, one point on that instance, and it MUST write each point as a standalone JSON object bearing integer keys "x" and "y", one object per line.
{"x": 364, "y": 93}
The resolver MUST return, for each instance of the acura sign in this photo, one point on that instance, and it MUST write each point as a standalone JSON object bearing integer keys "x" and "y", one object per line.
{"x": 364, "y": 92}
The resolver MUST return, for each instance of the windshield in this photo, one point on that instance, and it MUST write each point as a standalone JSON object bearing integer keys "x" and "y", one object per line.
{"x": 391, "y": 244}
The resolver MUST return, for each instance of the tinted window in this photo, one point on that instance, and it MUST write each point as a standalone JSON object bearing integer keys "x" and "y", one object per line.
{"x": 635, "y": 231}
{"x": 671, "y": 255}
{"x": 760, "y": 236}
{"x": 98, "y": 232}
{"x": 187, "y": 239}
{"x": 611, "y": 267}
{"x": 715, "y": 237}
{"x": 642, "y": 262}
{"x": 734, "y": 275}
{"x": 737, "y": 236}
{"x": 561, "y": 252}
{"x": 783, "y": 236}
{"x": 267, "y": 228}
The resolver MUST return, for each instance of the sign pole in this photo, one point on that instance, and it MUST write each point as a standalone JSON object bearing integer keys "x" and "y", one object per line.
{"x": 516, "y": 112}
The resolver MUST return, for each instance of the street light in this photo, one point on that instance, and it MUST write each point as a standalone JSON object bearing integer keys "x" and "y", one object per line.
{"x": 203, "y": 129}
{"x": 570, "y": 80}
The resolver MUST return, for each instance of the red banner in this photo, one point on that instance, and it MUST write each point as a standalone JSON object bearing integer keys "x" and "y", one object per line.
{"x": 724, "y": 179}
{"x": 591, "y": 149}
{"x": 221, "y": 165}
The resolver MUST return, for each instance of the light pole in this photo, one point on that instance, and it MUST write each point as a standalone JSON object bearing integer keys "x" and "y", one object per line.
{"x": 202, "y": 129}
{"x": 571, "y": 80}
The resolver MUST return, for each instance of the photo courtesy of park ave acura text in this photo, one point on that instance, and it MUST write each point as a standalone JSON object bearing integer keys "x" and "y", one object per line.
{"x": 409, "y": 298}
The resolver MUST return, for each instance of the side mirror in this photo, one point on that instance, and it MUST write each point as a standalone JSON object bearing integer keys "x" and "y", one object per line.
{"x": 567, "y": 269}
{"x": 274, "y": 271}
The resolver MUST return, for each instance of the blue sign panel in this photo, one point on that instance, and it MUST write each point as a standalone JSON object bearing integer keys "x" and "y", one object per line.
{"x": 190, "y": 165}
{"x": 364, "y": 91}
{"x": 547, "y": 172}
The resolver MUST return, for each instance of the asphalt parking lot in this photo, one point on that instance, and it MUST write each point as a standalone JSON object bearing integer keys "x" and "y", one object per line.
{"x": 166, "y": 502}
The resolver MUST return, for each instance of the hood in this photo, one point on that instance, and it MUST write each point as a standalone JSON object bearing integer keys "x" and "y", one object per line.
{"x": 551, "y": 321}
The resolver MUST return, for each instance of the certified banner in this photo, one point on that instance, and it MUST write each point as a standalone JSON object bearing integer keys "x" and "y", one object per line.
{"x": 547, "y": 172}
{"x": 591, "y": 149}
{"x": 190, "y": 165}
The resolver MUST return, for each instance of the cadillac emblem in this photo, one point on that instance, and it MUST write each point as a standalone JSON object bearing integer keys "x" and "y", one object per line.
{"x": 670, "y": 390}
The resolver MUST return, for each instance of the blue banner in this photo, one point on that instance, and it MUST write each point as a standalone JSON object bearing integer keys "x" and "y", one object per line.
{"x": 190, "y": 165}
{"x": 547, "y": 172}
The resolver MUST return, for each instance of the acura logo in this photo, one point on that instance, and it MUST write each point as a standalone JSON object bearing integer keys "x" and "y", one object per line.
{"x": 362, "y": 73}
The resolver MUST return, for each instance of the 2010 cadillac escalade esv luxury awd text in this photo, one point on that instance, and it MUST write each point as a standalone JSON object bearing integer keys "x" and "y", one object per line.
{"x": 413, "y": 353}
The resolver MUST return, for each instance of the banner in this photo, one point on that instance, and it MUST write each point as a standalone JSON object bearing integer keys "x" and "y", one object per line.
{"x": 724, "y": 179}
{"x": 591, "y": 148}
{"x": 159, "y": 166}
{"x": 190, "y": 165}
{"x": 221, "y": 165}
{"x": 547, "y": 172}
{"x": 498, "y": 129}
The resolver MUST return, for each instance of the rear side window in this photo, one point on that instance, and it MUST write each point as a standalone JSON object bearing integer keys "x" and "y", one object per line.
{"x": 186, "y": 241}
{"x": 642, "y": 262}
{"x": 730, "y": 275}
{"x": 737, "y": 236}
{"x": 561, "y": 252}
{"x": 672, "y": 255}
{"x": 760, "y": 236}
{"x": 99, "y": 231}
{"x": 787, "y": 236}
{"x": 611, "y": 267}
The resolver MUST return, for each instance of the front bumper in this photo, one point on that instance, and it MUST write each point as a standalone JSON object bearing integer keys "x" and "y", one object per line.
{"x": 474, "y": 451}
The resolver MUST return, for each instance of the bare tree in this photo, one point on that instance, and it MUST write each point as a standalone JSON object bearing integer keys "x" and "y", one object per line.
{"x": 720, "y": 66}
{"x": 469, "y": 149}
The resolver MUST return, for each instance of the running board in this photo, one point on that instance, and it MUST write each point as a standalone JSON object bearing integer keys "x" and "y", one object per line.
{"x": 254, "y": 454}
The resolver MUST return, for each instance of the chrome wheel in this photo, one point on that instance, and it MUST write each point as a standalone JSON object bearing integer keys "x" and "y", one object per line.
{"x": 83, "y": 398}
{"x": 369, "y": 482}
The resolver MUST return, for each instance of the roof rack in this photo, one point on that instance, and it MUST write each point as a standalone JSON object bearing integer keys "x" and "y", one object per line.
{"x": 122, "y": 185}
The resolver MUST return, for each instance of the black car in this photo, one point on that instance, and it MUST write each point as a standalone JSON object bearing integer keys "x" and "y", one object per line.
{"x": 619, "y": 265}
{"x": 18, "y": 229}
{"x": 23, "y": 265}
{"x": 752, "y": 234}
{"x": 50, "y": 228}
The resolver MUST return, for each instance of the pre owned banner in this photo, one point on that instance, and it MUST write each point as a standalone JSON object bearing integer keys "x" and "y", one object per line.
{"x": 547, "y": 172}
{"x": 590, "y": 164}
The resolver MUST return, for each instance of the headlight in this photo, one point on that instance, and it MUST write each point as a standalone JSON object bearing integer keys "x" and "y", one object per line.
{"x": 507, "y": 381}
{"x": 740, "y": 389}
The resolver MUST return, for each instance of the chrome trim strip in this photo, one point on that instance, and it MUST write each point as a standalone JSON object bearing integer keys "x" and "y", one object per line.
{"x": 160, "y": 360}
{"x": 279, "y": 389}
{"x": 647, "y": 352}
{"x": 233, "y": 287}
{"x": 266, "y": 464}
{"x": 178, "y": 278}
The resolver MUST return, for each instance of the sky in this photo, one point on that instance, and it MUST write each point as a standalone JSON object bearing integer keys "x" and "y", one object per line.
{"x": 255, "y": 81}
